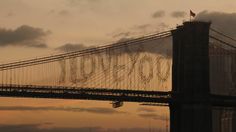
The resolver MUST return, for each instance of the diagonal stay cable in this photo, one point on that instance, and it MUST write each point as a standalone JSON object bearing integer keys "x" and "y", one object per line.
{"x": 100, "y": 47}
{"x": 70, "y": 55}
{"x": 223, "y": 42}
{"x": 220, "y": 33}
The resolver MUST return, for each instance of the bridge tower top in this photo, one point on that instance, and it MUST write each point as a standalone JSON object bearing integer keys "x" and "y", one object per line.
{"x": 190, "y": 58}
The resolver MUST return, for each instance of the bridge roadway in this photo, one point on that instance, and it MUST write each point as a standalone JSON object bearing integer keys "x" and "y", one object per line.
{"x": 103, "y": 94}
{"x": 60, "y": 92}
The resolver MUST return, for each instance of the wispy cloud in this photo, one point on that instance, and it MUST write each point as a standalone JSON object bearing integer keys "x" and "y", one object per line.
{"x": 38, "y": 128}
{"x": 138, "y": 30}
{"x": 150, "y": 113}
{"x": 64, "y": 13}
{"x": 10, "y": 14}
{"x": 96, "y": 110}
{"x": 158, "y": 14}
{"x": 87, "y": 5}
{"x": 153, "y": 116}
{"x": 178, "y": 14}
{"x": 72, "y": 47}
{"x": 81, "y": 2}
{"x": 144, "y": 109}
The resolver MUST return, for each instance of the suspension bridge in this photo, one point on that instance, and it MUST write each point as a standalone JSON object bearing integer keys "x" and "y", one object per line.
{"x": 190, "y": 69}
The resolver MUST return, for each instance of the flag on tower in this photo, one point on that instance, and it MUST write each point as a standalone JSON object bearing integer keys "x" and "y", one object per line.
{"x": 192, "y": 13}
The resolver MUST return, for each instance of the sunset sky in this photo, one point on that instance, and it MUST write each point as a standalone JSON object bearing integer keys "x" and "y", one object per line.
{"x": 30, "y": 28}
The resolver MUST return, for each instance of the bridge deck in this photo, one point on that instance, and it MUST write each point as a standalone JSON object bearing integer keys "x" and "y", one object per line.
{"x": 60, "y": 92}
{"x": 104, "y": 94}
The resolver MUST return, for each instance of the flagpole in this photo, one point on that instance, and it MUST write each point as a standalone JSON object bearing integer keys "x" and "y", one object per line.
{"x": 190, "y": 16}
